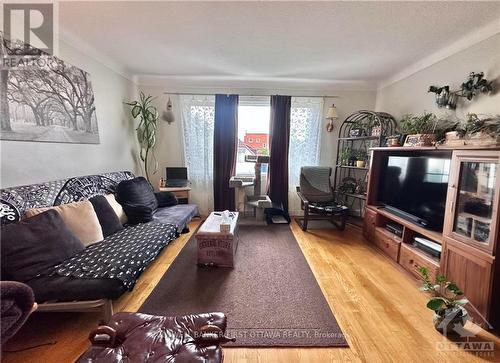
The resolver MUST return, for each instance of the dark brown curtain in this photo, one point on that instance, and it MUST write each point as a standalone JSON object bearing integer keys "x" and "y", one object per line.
{"x": 225, "y": 149}
{"x": 279, "y": 133}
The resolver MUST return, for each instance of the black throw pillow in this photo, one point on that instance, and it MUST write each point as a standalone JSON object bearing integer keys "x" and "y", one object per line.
{"x": 137, "y": 213}
{"x": 136, "y": 192}
{"x": 166, "y": 199}
{"x": 108, "y": 219}
{"x": 35, "y": 244}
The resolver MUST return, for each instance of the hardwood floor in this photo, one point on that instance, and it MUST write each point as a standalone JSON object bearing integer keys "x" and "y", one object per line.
{"x": 377, "y": 305}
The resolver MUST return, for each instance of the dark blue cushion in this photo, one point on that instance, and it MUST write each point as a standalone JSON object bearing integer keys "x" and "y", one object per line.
{"x": 136, "y": 192}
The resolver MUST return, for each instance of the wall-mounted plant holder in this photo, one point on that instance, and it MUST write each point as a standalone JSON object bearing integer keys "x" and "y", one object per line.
{"x": 474, "y": 85}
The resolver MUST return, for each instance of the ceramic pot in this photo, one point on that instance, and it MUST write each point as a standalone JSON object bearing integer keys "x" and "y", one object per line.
{"x": 393, "y": 141}
{"x": 360, "y": 163}
{"x": 450, "y": 321}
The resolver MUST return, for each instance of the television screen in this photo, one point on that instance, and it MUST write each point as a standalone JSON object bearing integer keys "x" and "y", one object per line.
{"x": 416, "y": 185}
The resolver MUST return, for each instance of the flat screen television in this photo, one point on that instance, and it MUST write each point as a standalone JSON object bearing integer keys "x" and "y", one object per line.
{"x": 416, "y": 186}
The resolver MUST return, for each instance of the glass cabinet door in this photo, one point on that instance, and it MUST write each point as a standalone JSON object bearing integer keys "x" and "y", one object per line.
{"x": 474, "y": 217}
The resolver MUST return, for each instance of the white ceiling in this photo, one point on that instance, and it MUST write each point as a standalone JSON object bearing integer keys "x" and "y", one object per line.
{"x": 308, "y": 42}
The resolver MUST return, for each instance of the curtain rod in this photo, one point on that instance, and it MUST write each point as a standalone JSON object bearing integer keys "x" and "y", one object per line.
{"x": 265, "y": 95}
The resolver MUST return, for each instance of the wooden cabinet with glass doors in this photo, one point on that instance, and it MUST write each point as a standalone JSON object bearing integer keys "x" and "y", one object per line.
{"x": 471, "y": 230}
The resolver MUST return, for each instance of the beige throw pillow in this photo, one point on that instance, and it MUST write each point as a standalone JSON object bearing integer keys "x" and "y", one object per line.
{"x": 117, "y": 208}
{"x": 80, "y": 218}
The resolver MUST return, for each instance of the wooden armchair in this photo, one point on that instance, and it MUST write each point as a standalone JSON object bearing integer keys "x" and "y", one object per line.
{"x": 317, "y": 197}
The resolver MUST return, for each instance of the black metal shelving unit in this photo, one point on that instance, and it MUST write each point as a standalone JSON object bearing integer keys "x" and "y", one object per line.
{"x": 357, "y": 134}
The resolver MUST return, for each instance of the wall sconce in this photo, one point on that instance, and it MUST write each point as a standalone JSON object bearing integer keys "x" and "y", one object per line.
{"x": 330, "y": 116}
{"x": 168, "y": 114}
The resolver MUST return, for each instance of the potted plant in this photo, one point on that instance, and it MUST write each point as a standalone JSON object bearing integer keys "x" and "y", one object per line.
{"x": 367, "y": 126}
{"x": 482, "y": 131}
{"x": 420, "y": 129}
{"x": 146, "y": 130}
{"x": 449, "y": 311}
{"x": 345, "y": 155}
{"x": 393, "y": 140}
{"x": 361, "y": 157}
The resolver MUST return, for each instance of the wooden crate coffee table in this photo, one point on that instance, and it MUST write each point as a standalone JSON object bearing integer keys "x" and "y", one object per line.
{"x": 216, "y": 248}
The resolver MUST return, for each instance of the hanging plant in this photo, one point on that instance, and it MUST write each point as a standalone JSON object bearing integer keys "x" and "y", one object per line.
{"x": 474, "y": 85}
{"x": 146, "y": 130}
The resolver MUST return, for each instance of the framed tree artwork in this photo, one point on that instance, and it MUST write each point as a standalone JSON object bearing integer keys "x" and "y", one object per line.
{"x": 43, "y": 98}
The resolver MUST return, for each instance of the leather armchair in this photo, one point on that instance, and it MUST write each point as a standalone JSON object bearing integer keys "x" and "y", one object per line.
{"x": 135, "y": 337}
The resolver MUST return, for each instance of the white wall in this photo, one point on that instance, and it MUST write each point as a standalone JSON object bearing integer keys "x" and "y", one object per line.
{"x": 410, "y": 95}
{"x": 169, "y": 148}
{"x": 347, "y": 103}
{"x": 32, "y": 162}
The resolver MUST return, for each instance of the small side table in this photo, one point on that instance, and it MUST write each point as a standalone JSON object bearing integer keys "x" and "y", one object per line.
{"x": 182, "y": 193}
{"x": 217, "y": 248}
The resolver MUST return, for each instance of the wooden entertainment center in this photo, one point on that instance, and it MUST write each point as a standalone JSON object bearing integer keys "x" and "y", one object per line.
{"x": 470, "y": 233}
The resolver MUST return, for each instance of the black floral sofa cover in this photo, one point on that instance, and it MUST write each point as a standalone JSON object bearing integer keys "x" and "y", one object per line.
{"x": 103, "y": 270}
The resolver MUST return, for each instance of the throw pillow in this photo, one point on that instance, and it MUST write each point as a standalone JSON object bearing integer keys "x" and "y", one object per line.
{"x": 117, "y": 208}
{"x": 137, "y": 192}
{"x": 166, "y": 199}
{"x": 34, "y": 244}
{"x": 80, "y": 218}
{"x": 108, "y": 219}
{"x": 138, "y": 213}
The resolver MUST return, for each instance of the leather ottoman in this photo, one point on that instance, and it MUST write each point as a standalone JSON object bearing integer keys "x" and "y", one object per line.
{"x": 134, "y": 337}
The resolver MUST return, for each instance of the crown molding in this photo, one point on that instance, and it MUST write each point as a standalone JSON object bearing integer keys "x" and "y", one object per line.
{"x": 251, "y": 83}
{"x": 82, "y": 46}
{"x": 477, "y": 36}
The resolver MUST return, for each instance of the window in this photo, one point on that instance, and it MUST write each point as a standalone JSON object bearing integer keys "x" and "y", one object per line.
{"x": 253, "y": 132}
{"x": 305, "y": 130}
{"x": 198, "y": 136}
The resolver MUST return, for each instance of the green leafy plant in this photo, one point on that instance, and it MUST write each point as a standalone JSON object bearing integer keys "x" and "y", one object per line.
{"x": 476, "y": 83}
{"x": 345, "y": 155}
{"x": 445, "y": 293}
{"x": 146, "y": 130}
{"x": 419, "y": 124}
{"x": 366, "y": 123}
{"x": 474, "y": 124}
{"x": 360, "y": 154}
{"x": 427, "y": 123}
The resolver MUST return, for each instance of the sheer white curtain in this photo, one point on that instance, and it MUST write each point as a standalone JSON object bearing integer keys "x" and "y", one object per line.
{"x": 198, "y": 134}
{"x": 305, "y": 136}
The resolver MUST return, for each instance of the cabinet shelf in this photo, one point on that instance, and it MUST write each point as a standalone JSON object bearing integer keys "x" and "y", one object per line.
{"x": 352, "y": 167}
{"x": 477, "y": 218}
{"x": 433, "y": 235}
{"x": 349, "y": 138}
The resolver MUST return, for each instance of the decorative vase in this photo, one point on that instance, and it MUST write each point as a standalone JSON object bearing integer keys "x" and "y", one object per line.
{"x": 360, "y": 163}
{"x": 442, "y": 98}
{"x": 451, "y": 321}
{"x": 393, "y": 141}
